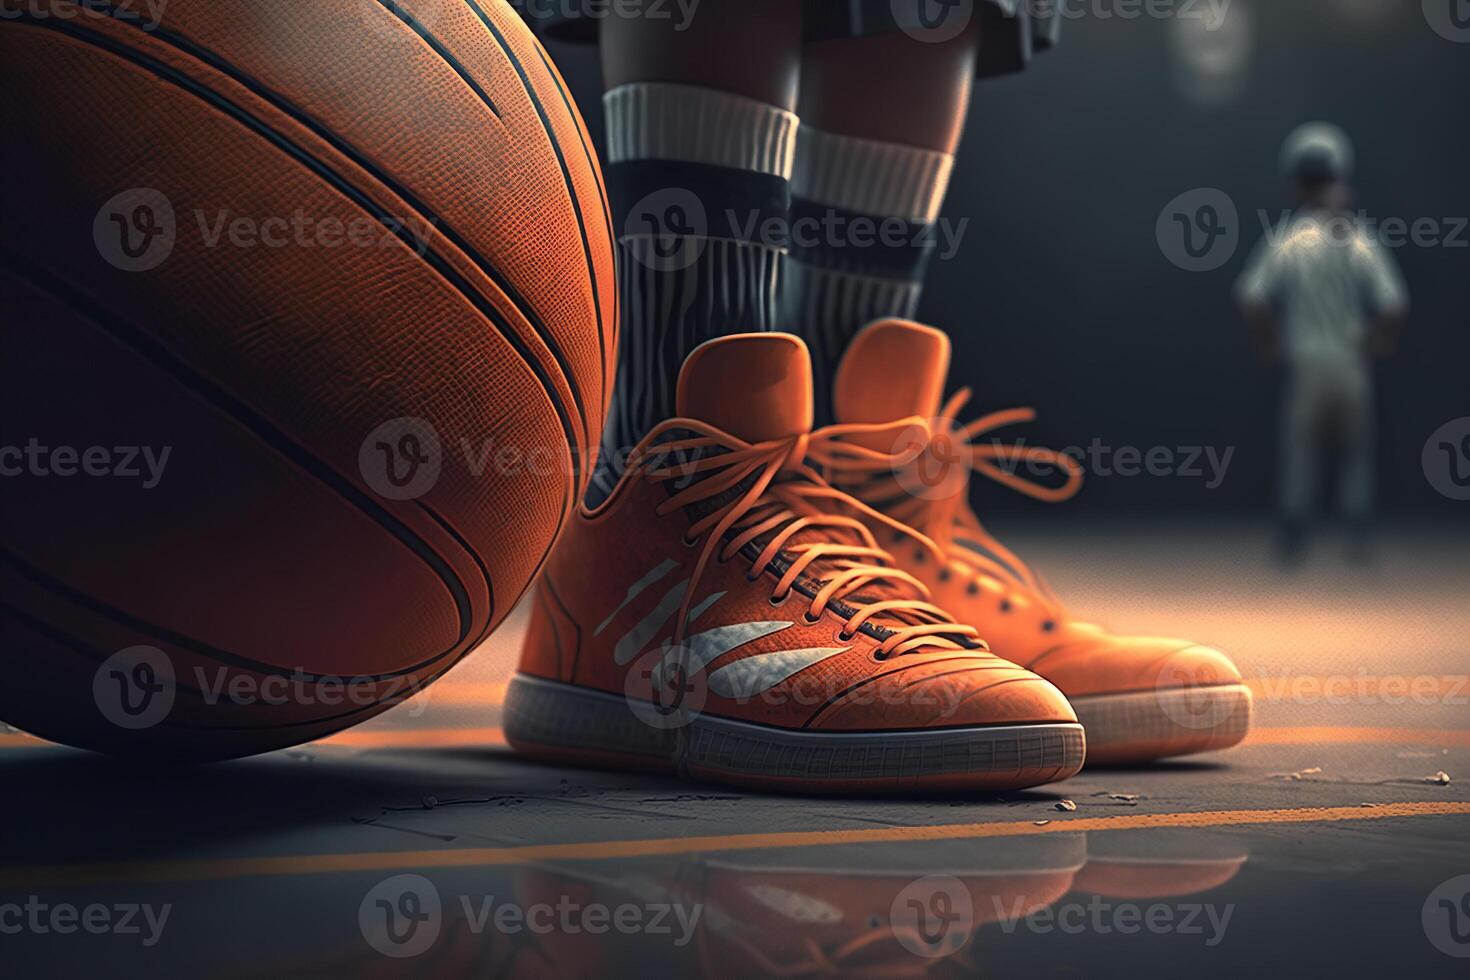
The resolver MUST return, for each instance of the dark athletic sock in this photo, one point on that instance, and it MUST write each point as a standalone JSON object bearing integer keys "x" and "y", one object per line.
{"x": 863, "y": 223}
{"x": 695, "y": 177}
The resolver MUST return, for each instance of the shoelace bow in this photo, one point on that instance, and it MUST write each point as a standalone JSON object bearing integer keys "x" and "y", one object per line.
{"x": 927, "y": 458}
{"x": 782, "y": 501}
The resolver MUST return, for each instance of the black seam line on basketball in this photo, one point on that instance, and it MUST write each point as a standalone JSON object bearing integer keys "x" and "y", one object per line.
{"x": 96, "y": 606}
{"x": 88, "y": 653}
{"x": 566, "y": 179}
{"x": 72, "y": 643}
{"x": 440, "y": 266}
{"x": 555, "y": 595}
{"x": 393, "y": 7}
{"x": 433, "y": 220}
{"x": 147, "y": 347}
{"x": 474, "y": 554}
{"x": 602, "y": 201}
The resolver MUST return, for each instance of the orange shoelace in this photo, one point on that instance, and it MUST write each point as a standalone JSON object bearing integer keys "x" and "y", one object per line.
{"x": 923, "y": 483}
{"x": 779, "y": 497}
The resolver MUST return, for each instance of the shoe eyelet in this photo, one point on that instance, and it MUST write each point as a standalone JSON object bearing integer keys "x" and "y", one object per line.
{"x": 944, "y": 575}
{"x": 843, "y": 636}
{"x": 973, "y": 589}
{"x": 809, "y": 619}
{"x": 879, "y": 658}
{"x": 1048, "y": 626}
{"x": 919, "y": 557}
{"x": 684, "y": 540}
{"x": 778, "y": 603}
{"x": 1005, "y": 605}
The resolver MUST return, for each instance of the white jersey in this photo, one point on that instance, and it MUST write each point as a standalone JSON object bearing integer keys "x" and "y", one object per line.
{"x": 1326, "y": 277}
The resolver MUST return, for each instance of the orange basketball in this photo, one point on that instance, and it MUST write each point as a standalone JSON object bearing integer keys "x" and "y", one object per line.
{"x": 308, "y": 318}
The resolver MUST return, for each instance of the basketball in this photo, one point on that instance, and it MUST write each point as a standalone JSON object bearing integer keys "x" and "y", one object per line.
{"x": 309, "y": 332}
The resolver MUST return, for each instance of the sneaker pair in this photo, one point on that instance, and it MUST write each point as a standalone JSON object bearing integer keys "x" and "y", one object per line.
{"x": 762, "y": 604}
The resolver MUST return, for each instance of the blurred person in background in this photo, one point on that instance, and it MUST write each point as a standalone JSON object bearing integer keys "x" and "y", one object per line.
{"x": 1323, "y": 297}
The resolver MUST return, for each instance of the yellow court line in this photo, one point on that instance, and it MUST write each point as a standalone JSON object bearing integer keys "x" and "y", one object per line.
{"x": 1346, "y": 735}
{"x": 54, "y": 876}
{"x": 1341, "y": 689}
{"x": 411, "y": 738}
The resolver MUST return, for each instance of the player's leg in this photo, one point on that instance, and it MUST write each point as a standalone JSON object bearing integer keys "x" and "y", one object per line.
{"x": 882, "y": 116}
{"x": 1301, "y": 464}
{"x": 1357, "y": 447}
{"x": 700, "y": 139}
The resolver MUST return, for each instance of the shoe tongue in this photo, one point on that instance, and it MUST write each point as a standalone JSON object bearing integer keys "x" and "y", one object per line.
{"x": 755, "y": 386}
{"x": 893, "y": 369}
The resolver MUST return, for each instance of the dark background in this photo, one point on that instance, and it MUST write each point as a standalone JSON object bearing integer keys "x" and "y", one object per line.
{"x": 1061, "y": 298}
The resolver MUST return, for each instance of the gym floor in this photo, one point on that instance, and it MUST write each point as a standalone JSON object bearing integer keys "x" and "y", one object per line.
{"x": 1336, "y": 840}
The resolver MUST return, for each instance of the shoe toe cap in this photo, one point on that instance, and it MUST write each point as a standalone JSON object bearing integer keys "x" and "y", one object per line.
{"x": 1117, "y": 665}
{"x": 948, "y": 692}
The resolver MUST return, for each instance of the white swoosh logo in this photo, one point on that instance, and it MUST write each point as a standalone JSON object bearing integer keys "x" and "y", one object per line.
{"x": 757, "y": 674}
{"x": 701, "y": 649}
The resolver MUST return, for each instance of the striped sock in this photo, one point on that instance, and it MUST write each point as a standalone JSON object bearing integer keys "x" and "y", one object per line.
{"x": 837, "y": 283}
{"x": 693, "y": 175}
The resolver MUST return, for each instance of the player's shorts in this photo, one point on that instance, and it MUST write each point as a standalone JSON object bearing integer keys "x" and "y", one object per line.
{"x": 1012, "y": 31}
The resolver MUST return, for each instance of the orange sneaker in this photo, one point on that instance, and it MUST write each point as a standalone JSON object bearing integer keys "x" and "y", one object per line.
{"x": 727, "y": 615}
{"x": 895, "y": 448}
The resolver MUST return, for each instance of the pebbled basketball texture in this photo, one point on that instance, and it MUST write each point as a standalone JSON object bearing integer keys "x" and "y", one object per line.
{"x": 308, "y": 319}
